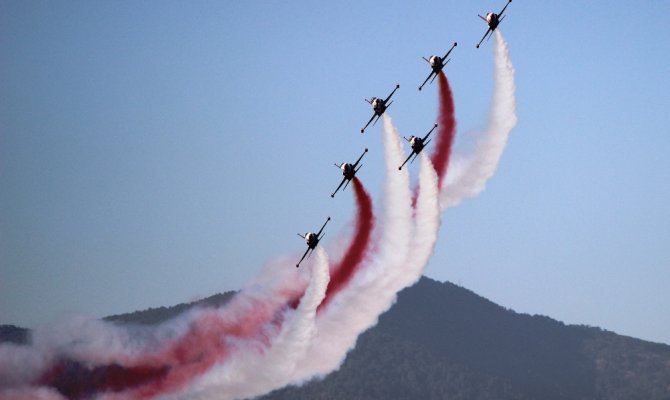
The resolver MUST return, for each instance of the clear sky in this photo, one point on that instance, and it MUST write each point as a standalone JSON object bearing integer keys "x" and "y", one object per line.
{"x": 152, "y": 153}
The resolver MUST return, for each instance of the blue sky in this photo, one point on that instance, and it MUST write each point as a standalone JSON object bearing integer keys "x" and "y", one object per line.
{"x": 153, "y": 153}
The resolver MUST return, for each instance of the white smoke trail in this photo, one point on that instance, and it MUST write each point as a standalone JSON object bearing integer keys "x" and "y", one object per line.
{"x": 427, "y": 224}
{"x": 94, "y": 342}
{"x": 248, "y": 375}
{"x": 357, "y": 307}
{"x": 374, "y": 289}
{"x": 76, "y": 337}
{"x": 404, "y": 247}
{"x": 467, "y": 176}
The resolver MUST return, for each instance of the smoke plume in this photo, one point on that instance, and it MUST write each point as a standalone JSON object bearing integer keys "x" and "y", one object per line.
{"x": 446, "y": 129}
{"x": 373, "y": 289}
{"x": 251, "y": 374}
{"x": 468, "y": 176}
{"x": 287, "y": 325}
{"x": 343, "y": 271}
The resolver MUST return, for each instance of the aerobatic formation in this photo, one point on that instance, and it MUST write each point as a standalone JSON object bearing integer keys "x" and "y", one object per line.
{"x": 288, "y": 325}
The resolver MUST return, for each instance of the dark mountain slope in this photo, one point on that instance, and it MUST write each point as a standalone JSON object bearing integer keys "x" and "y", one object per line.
{"x": 442, "y": 341}
{"x": 538, "y": 354}
{"x": 153, "y": 316}
{"x": 13, "y": 334}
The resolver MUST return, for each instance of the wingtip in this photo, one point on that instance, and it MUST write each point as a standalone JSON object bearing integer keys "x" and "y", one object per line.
{"x": 366, "y": 150}
{"x": 455, "y": 44}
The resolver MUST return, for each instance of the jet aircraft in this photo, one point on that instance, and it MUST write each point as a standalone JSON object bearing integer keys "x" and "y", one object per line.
{"x": 493, "y": 20}
{"x": 379, "y": 106}
{"x": 348, "y": 171}
{"x": 417, "y": 144}
{"x": 437, "y": 63}
{"x": 312, "y": 240}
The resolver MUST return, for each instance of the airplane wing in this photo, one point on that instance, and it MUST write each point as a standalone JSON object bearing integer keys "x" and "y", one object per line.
{"x": 375, "y": 123}
{"x": 431, "y": 81}
{"x": 428, "y": 134}
{"x": 338, "y": 187}
{"x": 324, "y": 225}
{"x": 388, "y": 98}
{"x": 359, "y": 158}
{"x": 424, "y": 82}
{"x": 303, "y": 257}
{"x": 403, "y": 164}
{"x": 503, "y": 10}
{"x": 484, "y": 37}
{"x": 366, "y": 125}
{"x": 449, "y": 52}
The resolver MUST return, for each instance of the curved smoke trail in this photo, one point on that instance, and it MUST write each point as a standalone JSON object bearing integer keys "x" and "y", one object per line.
{"x": 344, "y": 270}
{"x": 106, "y": 361}
{"x": 81, "y": 358}
{"x": 446, "y": 129}
{"x": 373, "y": 290}
{"x": 427, "y": 224}
{"x": 252, "y": 374}
{"x": 216, "y": 349}
{"x": 211, "y": 337}
{"x": 468, "y": 176}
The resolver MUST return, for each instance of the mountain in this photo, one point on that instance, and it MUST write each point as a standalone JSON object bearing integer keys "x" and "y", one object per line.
{"x": 443, "y": 341}
{"x": 13, "y": 334}
{"x": 153, "y": 316}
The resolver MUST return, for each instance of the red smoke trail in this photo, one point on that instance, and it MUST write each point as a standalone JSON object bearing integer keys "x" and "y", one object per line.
{"x": 445, "y": 131}
{"x": 342, "y": 272}
{"x": 204, "y": 344}
{"x": 194, "y": 353}
{"x": 77, "y": 381}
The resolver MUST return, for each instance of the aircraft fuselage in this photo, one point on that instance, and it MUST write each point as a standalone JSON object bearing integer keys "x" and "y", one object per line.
{"x": 348, "y": 171}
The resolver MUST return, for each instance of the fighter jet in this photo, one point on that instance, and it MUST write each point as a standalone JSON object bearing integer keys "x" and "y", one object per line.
{"x": 348, "y": 171}
{"x": 379, "y": 106}
{"x": 312, "y": 240}
{"x": 493, "y": 20}
{"x": 436, "y": 63}
{"x": 417, "y": 144}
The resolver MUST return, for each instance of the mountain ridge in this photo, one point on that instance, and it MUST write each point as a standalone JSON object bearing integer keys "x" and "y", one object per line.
{"x": 441, "y": 340}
